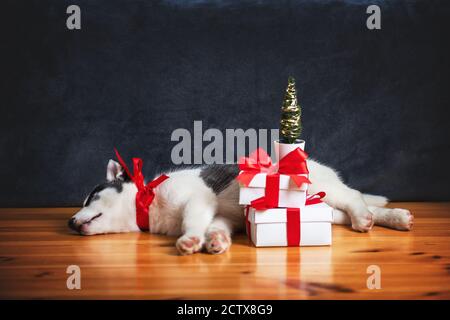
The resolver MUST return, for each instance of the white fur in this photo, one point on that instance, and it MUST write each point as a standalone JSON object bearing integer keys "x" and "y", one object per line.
{"x": 185, "y": 206}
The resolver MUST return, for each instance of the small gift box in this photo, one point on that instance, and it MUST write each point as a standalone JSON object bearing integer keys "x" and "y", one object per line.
{"x": 282, "y": 185}
{"x": 306, "y": 226}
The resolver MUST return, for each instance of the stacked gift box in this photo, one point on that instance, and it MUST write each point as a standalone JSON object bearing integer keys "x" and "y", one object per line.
{"x": 279, "y": 211}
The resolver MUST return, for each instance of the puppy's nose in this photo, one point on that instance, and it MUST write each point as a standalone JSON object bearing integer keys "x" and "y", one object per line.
{"x": 72, "y": 225}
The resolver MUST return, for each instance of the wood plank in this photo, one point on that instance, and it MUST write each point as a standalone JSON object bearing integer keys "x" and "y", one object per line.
{"x": 36, "y": 248}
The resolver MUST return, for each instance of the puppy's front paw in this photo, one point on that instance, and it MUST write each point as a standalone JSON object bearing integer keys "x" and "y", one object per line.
{"x": 188, "y": 244}
{"x": 217, "y": 242}
{"x": 363, "y": 222}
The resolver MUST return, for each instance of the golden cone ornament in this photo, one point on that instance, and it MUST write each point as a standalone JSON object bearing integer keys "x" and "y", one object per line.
{"x": 290, "y": 124}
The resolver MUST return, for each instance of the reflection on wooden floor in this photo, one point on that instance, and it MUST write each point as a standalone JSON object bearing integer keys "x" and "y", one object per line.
{"x": 36, "y": 248}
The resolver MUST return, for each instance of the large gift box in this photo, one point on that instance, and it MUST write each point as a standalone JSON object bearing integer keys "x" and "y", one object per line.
{"x": 283, "y": 184}
{"x": 309, "y": 225}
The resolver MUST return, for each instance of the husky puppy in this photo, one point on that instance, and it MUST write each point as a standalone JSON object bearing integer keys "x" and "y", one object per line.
{"x": 200, "y": 206}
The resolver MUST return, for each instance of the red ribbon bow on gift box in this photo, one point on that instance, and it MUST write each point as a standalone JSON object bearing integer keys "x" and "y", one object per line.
{"x": 293, "y": 218}
{"x": 145, "y": 193}
{"x": 293, "y": 165}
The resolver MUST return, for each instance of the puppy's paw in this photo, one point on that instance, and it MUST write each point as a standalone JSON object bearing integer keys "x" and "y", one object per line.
{"x": 363, "y": 222}
{"x": 401, "y": 219}
{"x": 189, "y": 244}
{"x": 217, "y": 241}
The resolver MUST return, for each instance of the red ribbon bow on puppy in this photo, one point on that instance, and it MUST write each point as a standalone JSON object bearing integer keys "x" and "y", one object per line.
{"x": 145, "y": 193}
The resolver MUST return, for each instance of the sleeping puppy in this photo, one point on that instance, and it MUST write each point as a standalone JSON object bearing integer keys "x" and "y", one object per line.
{"x": 200, "y": 206}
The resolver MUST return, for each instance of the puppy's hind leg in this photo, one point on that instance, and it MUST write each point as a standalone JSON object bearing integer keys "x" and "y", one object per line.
{"x": 351, "y": 201}
{"x": 340, "y": 196}
{"x": 399, "y": 219}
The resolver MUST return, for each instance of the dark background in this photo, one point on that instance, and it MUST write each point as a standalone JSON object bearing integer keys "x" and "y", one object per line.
{"x": 375, "y": 103}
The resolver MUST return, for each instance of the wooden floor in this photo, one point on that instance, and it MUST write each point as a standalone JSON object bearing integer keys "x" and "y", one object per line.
{"x": 36, "y": 247}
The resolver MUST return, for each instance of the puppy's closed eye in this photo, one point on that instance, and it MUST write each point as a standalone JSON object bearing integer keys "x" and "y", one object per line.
{"x": 94, "y": 217}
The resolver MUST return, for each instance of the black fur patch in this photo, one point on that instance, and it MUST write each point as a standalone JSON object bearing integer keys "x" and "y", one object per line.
{"x": 116, "y": 184}
{"x": 219, "y": 176}
{"x": 124, "y": 176}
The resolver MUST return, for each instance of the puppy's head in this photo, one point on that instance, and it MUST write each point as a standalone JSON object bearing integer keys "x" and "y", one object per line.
{"x": 110, "y": 207}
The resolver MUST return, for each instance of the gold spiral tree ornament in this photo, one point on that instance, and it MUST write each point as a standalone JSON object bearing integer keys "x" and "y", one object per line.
{"x": 290, "y": 124}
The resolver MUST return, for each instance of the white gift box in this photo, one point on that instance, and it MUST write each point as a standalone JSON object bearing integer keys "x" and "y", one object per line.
{"x": 290, "y": 195}
{"x": 268, "y": 228}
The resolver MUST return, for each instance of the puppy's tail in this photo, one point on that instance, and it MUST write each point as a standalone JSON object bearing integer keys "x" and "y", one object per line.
{"x": 373, "y": 200}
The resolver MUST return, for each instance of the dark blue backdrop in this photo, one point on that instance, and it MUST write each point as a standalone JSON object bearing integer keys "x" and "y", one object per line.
{"x": 375, "y": 102}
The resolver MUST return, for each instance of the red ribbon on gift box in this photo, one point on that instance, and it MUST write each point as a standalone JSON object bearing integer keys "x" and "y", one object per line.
{"x": 293, "y": 217}
{"x": 145, "y": 193}
{"x": 293, "y": 165}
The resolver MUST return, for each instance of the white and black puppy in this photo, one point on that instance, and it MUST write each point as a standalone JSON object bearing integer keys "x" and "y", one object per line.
{"x": 201, "y": 206}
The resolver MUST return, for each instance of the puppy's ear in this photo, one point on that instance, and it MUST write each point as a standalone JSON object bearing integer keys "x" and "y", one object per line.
{"x": 114, "y": 171}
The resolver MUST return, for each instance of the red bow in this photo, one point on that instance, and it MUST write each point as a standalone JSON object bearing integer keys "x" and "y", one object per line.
{"x": 263, "y": 204}
{"x": 315, "y": 198}
{"x": 258, "y": 162}
{"x": 145, "y": 194}
{"x": 293, "y": 165}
